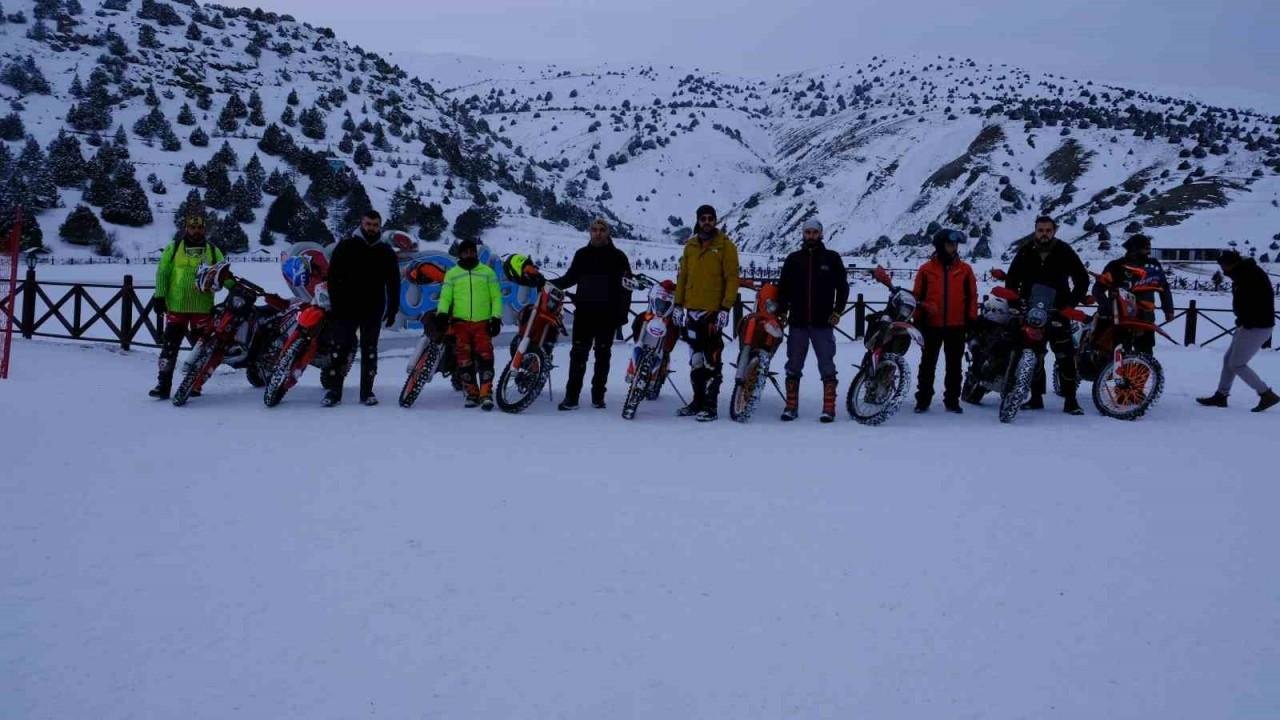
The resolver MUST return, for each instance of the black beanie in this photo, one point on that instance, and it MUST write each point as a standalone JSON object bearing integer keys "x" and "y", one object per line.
{"x": 705, "y": 210}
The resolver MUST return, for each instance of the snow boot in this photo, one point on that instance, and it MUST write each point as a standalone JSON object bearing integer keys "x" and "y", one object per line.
{"x": 792, "y": 409}
{"x": 922, "y": 406}
{"x": 160, "y": 391}
{"x": 164, "y": 382}
{"x": 828, "y": 401}
{"x": 567, "y": 404}
{"x": 1215, "y": 400}
{"x": 953, "y": 406}
{"x": 599, "y": 404}
{"x": 331, "y": 398}
{"x": 486, "y": 403}
{"x": 698, "y": 379}
{"x": 472, "y": 401}
{"x": 1035, "y": 403}
{"x": 1266, "y": 400}
{"x": 707, "y": 414}
{"x": 1071, "y": 406}
{"x": 369, "y": 400}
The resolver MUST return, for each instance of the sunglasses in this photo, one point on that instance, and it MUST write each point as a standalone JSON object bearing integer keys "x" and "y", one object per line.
{"x": 706, "y": 218}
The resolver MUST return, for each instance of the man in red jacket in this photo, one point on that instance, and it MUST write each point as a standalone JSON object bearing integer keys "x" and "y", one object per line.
{"x": 947, "y": 292}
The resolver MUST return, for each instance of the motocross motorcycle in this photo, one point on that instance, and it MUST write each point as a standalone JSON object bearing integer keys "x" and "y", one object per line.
{"x": 1002, "y": 357}
{"x": 304, "y": 340}
{"x": 529, "y": 371}
{"x": 434, "y": 352}
{"x": 240, "y": 334}
{"x": 654, "y": 334}
{"x": 1126, "y": 382}
{"x": 759, "y": 337}
{"x": 884, "y": 378}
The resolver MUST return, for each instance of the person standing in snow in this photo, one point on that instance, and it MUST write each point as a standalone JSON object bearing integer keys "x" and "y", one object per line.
{"x": 706, "y": 288}
{"x": 947, "y": 291}
{"x": 812, "y": 291}
{"x": 364, "y": 288}
{"x": 1138, "y": 255}
{"x": 1255, "y": 310}
{"x": 187, "y": 309}
{"x": 1046, "y": 260}
{"x": 471, "y": 300}
{"x": 599, "y": 308}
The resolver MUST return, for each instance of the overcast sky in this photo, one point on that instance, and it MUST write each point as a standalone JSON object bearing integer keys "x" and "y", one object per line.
{"x": 1227, "y": 51}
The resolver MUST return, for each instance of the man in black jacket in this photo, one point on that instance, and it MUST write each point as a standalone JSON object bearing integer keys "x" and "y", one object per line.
{"x": 813, "y": 289}
{"x": 1138, "y": 255}
{"x": 364, "y": 290}
{"x": 599, "y": 308}
{"x": 1254, "y": 304}
{"x": 1046, "y": 260}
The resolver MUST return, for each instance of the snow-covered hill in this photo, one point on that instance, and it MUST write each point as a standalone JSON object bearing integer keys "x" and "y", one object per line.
{"x": 881, "y": 151}
{"x": 181, "y": 97}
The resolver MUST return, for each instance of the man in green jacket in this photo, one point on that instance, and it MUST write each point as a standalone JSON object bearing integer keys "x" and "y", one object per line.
{"x": 186, "y": 308}
{"x": 706, "y": 290}
{"x": 471, "y": 300}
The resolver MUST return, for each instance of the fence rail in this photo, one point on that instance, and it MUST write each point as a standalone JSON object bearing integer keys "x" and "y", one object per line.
{"x": 125, "y": 314}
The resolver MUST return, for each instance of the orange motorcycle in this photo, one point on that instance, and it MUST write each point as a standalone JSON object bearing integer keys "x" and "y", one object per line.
{"x": 759, "y": 337}
{"x": 541, "y": 325}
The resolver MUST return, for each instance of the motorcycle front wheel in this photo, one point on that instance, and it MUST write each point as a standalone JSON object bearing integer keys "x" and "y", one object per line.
{"x": 201, "y": 368}
{"x": 874, "y": 397}
{"x": 519, "y": 387}
{"x": 423, "y": 370}
{"x": 1127, "y": 390}
{"x": 639, "y": 388}
{"x": 282, "y": 378}
{"x": 1017, "y": 386}
{"x": 747, "y": 391}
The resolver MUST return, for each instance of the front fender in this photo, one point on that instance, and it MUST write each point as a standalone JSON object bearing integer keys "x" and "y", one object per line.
{"x": 900, "y": 328}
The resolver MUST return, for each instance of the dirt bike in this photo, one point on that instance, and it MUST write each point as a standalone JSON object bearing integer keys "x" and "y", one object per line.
{"x": 1002, "y": 355}
{"x": 759, "y": 337}
{"x": 1126, "y": 382}
{"x": 655, "y": 336}
{"x": 884, "y": 378}
{"x": 529, "y": 371}
{"x": 303, "y": 343}
{"x": 240, "y": 336}
{"x": 434, "y": 353}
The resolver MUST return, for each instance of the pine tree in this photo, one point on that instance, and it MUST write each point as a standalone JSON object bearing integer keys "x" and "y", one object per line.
{"x": 150, "y": 97}
{"x": 193, "y": 174}
{"x": 293, "y": 97}
{"x": 218, "y": 194}
{"x": 311, "y": 123}
{"x": 66, "y": 163}
{"x": 130, "y": 205}
{"x": 147, "y": 38}
{"x": 266, "y": 238}
{"x": 226, "y": 157}
{"x": 345, "y": 145}
{"x": 275, "y": 141}
{"x": 32, "y": 236}
{"x": 11, "y": 127}
{"x": 432, "y": 223}
{"x": 256, "y": 118}
{"x": 226, "y": 234}
{"x": 186, "y": 116}
{"x": 242, "y": 204}
{"x": 362, "y": 157}
{"x": 276, "y": 183}
{"x": 32, "y": 168}
{"x": 255, "y": 175}
{"x": 198, "y": 138}
{"x": 82, "y": 227}
{"x": 227, "y": 121}
{"x": 287, "y": 117}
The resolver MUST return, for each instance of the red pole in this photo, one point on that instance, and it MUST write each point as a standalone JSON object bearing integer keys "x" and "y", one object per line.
{"x": 15, "y": 239}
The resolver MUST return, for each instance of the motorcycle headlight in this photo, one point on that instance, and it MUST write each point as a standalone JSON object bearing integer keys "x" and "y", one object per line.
{"x": 237, "y": 301}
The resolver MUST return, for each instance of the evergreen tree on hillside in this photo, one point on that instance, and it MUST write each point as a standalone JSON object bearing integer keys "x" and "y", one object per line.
{"x": 276, "y": 182}
{"x": 191, "y": 205}
{"x": 226, "y": 157}
{"x": 218, "y": 194}
{"x": 241, "y": 202}
{"x": 186, "y": 116}
{"x": 11, "y": 127}
{"x": 432, "y": 222}
{"x": 32, "y": 168}
{"x": 198, "y": 138}
{"x": 66, "y": 163}
{"x": 193, "y": 174}
{"x": 362, "y": 157}
{"x": 226, "y": 234}
{"x": 82, "y": 227}
{"x": 255, "y": 175}
{"x": 129, "y": 205}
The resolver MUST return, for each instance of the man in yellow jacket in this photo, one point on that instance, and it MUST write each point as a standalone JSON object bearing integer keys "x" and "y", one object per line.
{"x": 706, "y": 290}
{"x": 471, "y": 300}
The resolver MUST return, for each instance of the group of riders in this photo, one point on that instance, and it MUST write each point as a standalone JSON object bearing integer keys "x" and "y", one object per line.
{"x": 364, "y": 279}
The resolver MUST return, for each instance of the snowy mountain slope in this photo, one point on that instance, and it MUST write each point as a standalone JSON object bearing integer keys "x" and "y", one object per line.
{"x": 881, "y": 150}
{"x": 186, "y": 63}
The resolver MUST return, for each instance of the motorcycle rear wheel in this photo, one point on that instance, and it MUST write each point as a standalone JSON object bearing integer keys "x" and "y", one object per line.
{"x": 871, "y": 400}
{"x": 517, "y": 389}
{"x": 1126, "y": 391}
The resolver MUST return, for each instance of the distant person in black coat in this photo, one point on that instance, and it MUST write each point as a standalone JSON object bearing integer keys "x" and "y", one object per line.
{"x": 1254, "y": 303}
{"x": 599, "y": 308}
{"x": 364, "y": 288}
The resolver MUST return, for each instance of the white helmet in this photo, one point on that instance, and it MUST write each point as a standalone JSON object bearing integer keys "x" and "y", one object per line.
{"x": 210, "y": 277}
{"x": 996, "y": 310}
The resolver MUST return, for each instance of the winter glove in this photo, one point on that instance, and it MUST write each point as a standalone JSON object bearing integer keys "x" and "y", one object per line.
{"x": 494, "y": 327}
{"x": 721, "y": 320}
{"x": 834, "y": 320}
{"x": 442, "y": 322}
{"x": 677, "y": 316}
{"x": 1168, "y": 316}
{"x": 389, "y": 319}
{"x": 159, "y": 304}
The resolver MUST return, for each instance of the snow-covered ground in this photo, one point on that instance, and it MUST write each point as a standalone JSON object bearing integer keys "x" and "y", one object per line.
{"x": 226, "y": 560}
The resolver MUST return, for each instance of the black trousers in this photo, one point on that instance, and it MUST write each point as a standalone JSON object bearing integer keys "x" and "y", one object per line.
{"x": 706, "y": 346}
{"x": 936, "y": 341}
{"x": 342, "y": 333}
{"x": 1057, "y": 335}
{"x": 593, "y": 331}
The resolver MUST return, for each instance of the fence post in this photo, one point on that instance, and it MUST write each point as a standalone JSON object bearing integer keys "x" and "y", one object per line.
{"x": 737, "y": 314}
{"x": 29, "y": 303}
{"x": 859, "y": 317}
{"x": 1189, "y": 334}
{"x": 126, "y": 313}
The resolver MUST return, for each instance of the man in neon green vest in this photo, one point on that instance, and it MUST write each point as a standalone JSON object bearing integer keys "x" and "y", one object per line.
{"x": 187, "y": 309}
